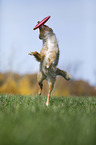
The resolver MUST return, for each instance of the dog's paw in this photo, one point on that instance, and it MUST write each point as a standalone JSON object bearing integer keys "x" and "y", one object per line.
{"x": 33, "y": 53}
{"x": 39, "y": 93}
{"x": 47, "y": 66}
{"x": 30, "y": 53}
{"x": 47, "y": 104}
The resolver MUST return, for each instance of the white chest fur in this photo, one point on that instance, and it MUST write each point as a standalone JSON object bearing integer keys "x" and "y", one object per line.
{"x": 52, "y": 47}
{"x": 51, "y": 42}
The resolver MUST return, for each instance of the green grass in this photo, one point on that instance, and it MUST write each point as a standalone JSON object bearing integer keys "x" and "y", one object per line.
{"x": 26, "y": 120}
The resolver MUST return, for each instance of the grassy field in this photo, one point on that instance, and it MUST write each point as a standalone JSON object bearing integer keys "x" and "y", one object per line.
{"x": 25, "y": 120}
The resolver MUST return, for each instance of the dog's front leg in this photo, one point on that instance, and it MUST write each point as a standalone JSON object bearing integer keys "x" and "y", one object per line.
{"x": 51, "y": 59}
{"x": 37, "y": 55}
{"x": 49, "y": 64}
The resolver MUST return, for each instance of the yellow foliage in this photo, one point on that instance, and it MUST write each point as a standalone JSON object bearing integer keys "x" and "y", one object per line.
{"x": 27, "y": 85}
{"x": 9, "y": 87}
{"x": 1, "y": 76}
{"x": 24, "y": 86}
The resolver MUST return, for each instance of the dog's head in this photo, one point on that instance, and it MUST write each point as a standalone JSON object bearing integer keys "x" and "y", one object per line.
{"x": 45, "y": 31}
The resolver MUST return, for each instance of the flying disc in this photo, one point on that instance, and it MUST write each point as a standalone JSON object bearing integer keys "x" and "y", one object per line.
{"x": 41, "y": 23}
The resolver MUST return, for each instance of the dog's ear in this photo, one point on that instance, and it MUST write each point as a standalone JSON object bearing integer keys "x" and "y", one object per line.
{"x": 48, "y": 29}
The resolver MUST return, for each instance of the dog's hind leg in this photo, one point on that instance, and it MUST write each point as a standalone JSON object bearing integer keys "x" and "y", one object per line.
{"x": 40, "y": 78}
{"x": 51, "y": 85}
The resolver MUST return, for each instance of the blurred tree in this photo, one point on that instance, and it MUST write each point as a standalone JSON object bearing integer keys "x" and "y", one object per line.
{"x": 27, "y": 85}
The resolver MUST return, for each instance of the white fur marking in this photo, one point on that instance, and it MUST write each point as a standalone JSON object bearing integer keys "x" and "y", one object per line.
{"x": 46, "y": 104}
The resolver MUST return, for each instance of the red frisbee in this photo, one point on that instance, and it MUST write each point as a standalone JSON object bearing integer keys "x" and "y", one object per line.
{"x": 41, "y": 23}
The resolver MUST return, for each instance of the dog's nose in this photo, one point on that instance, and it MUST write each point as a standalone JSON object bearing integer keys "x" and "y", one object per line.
{"x": 30, "y": 53}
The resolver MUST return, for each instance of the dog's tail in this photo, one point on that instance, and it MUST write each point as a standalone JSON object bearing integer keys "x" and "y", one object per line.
{"x": 63, "y": 73}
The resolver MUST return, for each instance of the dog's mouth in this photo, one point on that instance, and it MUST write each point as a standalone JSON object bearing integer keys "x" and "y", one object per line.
{"x": 45, "y": 32}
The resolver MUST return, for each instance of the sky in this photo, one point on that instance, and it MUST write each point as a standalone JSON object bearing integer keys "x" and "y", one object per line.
{"x": 73, "y": 22}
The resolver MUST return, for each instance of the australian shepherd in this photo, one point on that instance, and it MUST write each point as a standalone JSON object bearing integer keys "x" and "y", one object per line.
{"x": 48, "y": 58}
